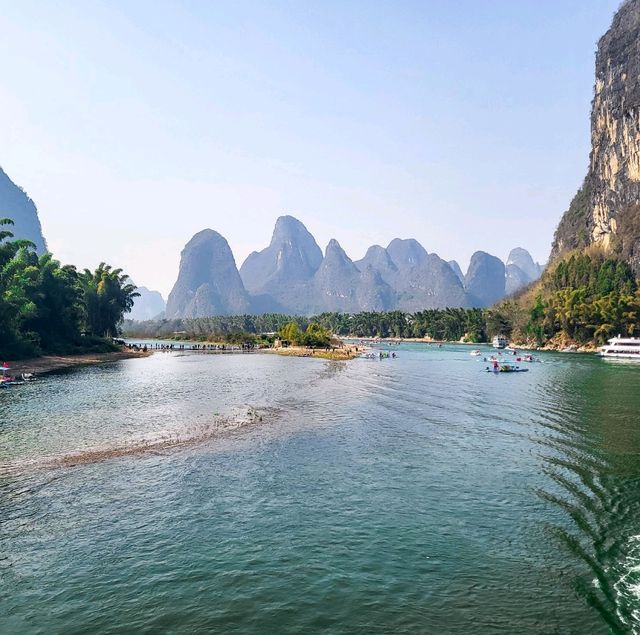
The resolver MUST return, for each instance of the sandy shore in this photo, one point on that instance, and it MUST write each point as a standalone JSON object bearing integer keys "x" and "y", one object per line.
{"x": 339, "y": 354}
{"x": 49, "y": 363}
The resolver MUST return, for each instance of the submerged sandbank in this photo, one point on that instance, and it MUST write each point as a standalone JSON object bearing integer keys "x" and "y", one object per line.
{"x": 50, "y": 363}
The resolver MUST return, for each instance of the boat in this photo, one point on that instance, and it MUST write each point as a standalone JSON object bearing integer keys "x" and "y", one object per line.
{"x": 622, "y": 348}
{"x": 500, "y": 341}
{"x": 10, "y": 382}
{"x": 476, "y": 353}
{"x": 5, "y": 378}
{"x": 506, "y": 368}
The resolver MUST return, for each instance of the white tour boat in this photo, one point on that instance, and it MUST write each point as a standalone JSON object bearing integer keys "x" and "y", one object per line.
{"x": 624, "y": 347}
{"x": 500, "y": 341}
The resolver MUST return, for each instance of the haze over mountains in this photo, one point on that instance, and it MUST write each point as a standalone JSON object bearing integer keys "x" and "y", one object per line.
{"x": 148, "y": 306}
{"x": 293, "y": 275}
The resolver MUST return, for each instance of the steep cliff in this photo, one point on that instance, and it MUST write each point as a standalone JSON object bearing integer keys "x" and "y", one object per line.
{"x": 406, "y": 252}
{"x": 485, "y": 280}
{"x": 149, "y": 305}
{"x": 16, "y": 205}
{"x": 456, "y": 269}
{"x": 340, "y": 286}
{"x": 208, "y": 282}
{"x": 604, "y": 211}
{"x": 430, "y": 284}
{"x": 522, "y": 259}
{"x": 292, "y": 256}
{"x": 378, "y": 258}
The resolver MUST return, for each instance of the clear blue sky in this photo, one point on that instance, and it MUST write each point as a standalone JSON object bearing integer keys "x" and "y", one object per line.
{"x": 464, "y": 124}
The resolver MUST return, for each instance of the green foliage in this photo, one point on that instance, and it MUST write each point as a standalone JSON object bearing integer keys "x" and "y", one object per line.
{"x": 107, "y": 295}
{"x": 573, "y": 229}
{"x": 291, "y": 334}
{"x": 316, "y": 336}
{"x": 46, "y": 307}
{"x": 444, "y": 324}
{"x": 589, "y": 298}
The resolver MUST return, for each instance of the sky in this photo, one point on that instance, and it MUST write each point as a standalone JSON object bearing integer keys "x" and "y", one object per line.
{"x": 133, "y": 125}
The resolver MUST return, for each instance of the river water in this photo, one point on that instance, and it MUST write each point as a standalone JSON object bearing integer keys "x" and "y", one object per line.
{"x": 249, "y": 493}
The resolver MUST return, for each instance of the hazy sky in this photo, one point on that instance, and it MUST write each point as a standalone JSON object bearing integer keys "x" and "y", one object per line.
{"x": 133, "y": 125}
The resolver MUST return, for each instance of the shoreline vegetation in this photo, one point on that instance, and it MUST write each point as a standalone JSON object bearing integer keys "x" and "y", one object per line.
{"x": 581, "y": 300}
{"x": 51, "y": 309}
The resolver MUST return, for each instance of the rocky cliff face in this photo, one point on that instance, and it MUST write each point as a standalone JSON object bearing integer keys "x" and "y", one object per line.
{"x": 292, "y": 256}
{"x": 278, "y": 277}
{"x": 406, "y": 252}
{"x": 339, "y": 285}
{"x": 208, "y": 282}
{"x": 457, "y": 270}
{"x": 522, "y": 259}
{"x": 378, "y": 259}
{"x": 431, "y": 284}
{"x": 521, "y": 270}
{"x": 148, "y": 306}
{"x": 606, "y": 209}
{"x": 16, "y": 205}
{"x": 485, "y": 280}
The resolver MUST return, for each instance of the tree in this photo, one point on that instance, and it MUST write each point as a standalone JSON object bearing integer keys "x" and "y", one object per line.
{"x": 291, "y": 334}
{"x": 107, "y": 295}
{"x": 316, "y": 336}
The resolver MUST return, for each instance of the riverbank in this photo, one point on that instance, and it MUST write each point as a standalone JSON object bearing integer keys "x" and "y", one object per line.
{"x": 557, "y": 345}
{"x": 50, "y": 363}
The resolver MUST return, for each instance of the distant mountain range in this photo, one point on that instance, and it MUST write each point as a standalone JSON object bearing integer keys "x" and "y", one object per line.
{"x": 292, "y": 275}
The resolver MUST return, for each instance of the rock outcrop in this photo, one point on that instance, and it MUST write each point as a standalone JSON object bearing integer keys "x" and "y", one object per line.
{"x": 417, "y": 280}
{"x": 516, "y": 279}
{"x": 522, "y": 259}
{"x": 486, "y": 279}
{"x": 378, "y": 259}
{"x": 406, "y": 252}
{"x": 431, "y": 284}
{"x": 208, "y": 281}
{"x": 339, "y": 285}
{"x": 457, "y": 270}
{"x": 606, "y": 210}
{"x": 148, "y": 306}
{"x": 16, "y": 205}
{"x": 292, "y": 256}
{"x": 521, "y": 270}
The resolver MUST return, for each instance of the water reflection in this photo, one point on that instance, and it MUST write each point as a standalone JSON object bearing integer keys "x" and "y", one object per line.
{"x": 593, "y": 472}
{"x": 418, "y": 494}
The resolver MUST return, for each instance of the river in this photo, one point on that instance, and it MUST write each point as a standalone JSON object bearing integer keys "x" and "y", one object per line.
{"x": 252, "y": 493}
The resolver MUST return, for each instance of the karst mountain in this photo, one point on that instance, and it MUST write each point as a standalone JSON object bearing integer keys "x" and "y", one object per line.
{"x": 293, "y": 275}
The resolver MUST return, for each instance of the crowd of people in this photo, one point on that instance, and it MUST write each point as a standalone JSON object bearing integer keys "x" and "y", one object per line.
{"x": 168, "y": 348}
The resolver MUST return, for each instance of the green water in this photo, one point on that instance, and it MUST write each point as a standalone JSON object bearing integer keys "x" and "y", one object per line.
{"x": 283, "y": 495}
